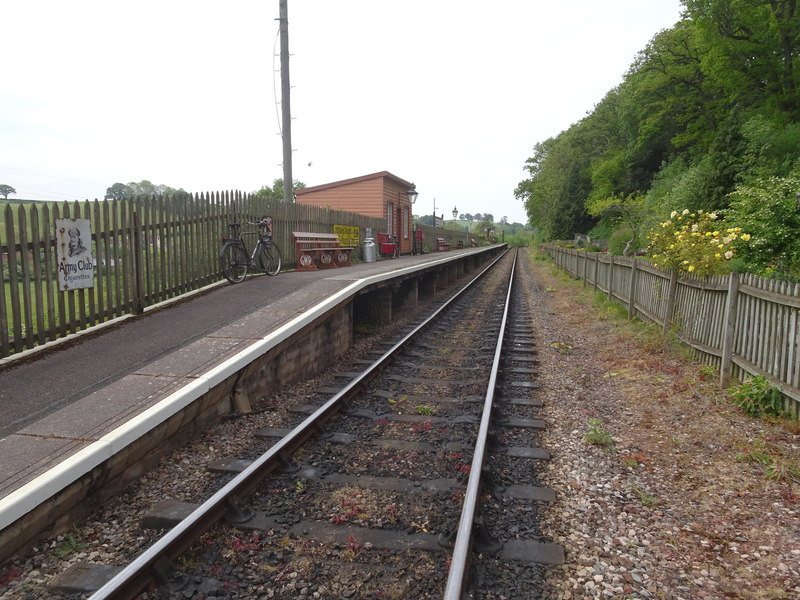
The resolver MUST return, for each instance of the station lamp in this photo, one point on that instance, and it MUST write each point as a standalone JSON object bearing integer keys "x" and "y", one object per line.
{"x": 412, "y": 194}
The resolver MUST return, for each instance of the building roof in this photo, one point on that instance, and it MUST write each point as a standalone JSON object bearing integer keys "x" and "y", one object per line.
{"x": 380, "y": 174}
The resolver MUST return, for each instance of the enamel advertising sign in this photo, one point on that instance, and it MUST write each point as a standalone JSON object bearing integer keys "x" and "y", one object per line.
{"x": 74, "y": 254}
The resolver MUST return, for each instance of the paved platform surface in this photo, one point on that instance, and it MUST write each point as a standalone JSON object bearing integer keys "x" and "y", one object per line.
{"x": 59, "y": 401}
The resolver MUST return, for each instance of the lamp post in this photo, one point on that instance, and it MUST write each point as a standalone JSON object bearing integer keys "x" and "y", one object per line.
{"x": 416, "y": 242}
{"x": 455, "y": 213}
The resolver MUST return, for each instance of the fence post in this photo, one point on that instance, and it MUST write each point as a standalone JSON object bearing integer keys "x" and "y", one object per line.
{"x": 731, "y": 306}
{"x": 673, "y": 287}
{"x": 585, "y": 267}
{"x": 596, "y": 269}
{"x": 138, "y": 267}
{"x": 610, "y": 276}
{"x": 632, "y": 288}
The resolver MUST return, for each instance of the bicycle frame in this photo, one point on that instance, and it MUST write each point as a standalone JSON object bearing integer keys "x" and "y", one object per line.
{"x": 240, "y": 239}
{"x": 265, "y": 253}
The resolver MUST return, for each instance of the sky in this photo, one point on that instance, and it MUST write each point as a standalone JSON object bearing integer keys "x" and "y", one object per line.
{"x": 449, "y": 94}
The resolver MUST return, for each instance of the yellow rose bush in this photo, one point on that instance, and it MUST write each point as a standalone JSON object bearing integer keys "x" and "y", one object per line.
{"x": 695, "y": 242}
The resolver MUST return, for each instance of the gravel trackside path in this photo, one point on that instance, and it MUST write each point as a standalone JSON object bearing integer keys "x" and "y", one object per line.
{"x": 675, "y": 507}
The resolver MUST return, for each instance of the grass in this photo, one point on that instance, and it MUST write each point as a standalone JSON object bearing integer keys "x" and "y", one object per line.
{"x": 561, "y": 347}
{"x": 597, "y": 436}
{"x": 708, "y": 372}
{"x": 71, "y": 543}
{"x": 757, "y": 397}
{"x": 645, "y": 497}
{"x": 776, "y": 466}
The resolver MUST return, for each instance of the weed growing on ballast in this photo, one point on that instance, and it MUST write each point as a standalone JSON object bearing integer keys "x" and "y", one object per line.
{"x": 597, "y": 436}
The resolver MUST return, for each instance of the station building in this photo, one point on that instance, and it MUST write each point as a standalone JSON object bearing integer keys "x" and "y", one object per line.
{"x": 377, "y": 195}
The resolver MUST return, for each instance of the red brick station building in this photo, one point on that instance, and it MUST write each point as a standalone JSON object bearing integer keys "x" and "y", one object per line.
{"x": 378, "y": 195}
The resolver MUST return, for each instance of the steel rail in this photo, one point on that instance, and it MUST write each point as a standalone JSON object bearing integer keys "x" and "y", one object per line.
{"x": 137, "y": 576}
{"x": 459, "y": 561}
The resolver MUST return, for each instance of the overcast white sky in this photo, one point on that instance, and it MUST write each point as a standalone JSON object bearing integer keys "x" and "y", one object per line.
{"x": 449, "y": 94}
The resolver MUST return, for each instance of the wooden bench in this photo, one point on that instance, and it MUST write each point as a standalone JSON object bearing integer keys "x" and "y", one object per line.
{"x": 320, "y": 251}
{"x": 442, "y": 245}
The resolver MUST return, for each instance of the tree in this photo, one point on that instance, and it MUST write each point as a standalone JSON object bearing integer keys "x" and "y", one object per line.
{"x": 560, "y": 182}
{"x": 751, "y": 51}
{"x": 118, "y": 191}
{"x": 769, "y": 210}
{"x": 487, "y": 223}
{"x": 627, "y": 214}
{"x": 5, "y": 190}
{"x": 275, "y": 193}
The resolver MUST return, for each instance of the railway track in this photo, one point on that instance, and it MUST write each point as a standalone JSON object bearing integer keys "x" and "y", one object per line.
{"x": 414, "y": 478}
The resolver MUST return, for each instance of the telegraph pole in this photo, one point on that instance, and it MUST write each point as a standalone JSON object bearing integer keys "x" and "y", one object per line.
{"x": 286, "y": 113}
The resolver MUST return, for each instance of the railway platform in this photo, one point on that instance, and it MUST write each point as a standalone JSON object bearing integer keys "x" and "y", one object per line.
{"x": 68, "y": 408}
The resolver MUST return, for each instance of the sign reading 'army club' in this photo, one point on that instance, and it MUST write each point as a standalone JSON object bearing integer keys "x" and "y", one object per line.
{"x": 74, "y": 254}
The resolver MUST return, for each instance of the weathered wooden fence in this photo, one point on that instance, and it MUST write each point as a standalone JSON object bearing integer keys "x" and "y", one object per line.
{"x": 742, "y": 324}
{"x": 451, "y": 236}
{"x": 146, "y": 250}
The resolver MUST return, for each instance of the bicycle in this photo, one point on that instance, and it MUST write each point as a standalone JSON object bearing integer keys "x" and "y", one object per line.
{"x": 233, "y": 256}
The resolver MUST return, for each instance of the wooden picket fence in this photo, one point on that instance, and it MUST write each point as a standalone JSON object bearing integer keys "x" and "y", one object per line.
{"x": 147, "y": 250}
{"x": 743, "y": 324}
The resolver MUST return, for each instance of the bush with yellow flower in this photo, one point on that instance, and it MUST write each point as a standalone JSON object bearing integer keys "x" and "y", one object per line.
{"x": 696, "y": 242}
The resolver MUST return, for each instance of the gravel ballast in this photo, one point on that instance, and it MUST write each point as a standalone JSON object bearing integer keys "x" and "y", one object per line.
{"x": 673, "y": 505}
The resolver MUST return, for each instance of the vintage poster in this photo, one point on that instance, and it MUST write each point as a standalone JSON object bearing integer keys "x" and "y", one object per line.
{"x": 74, "y": 254}
{"x": 348, "y": 235}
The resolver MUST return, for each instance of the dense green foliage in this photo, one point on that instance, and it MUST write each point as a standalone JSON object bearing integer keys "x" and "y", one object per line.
{"x": 118, "y": 191}
{"x": 275, "y": 193}
{"x": 706, "y": 118}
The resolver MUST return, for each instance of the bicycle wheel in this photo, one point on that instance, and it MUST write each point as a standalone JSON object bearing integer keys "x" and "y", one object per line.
{"x": 269, "y": 257}
{"x": 234, "y": 262}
